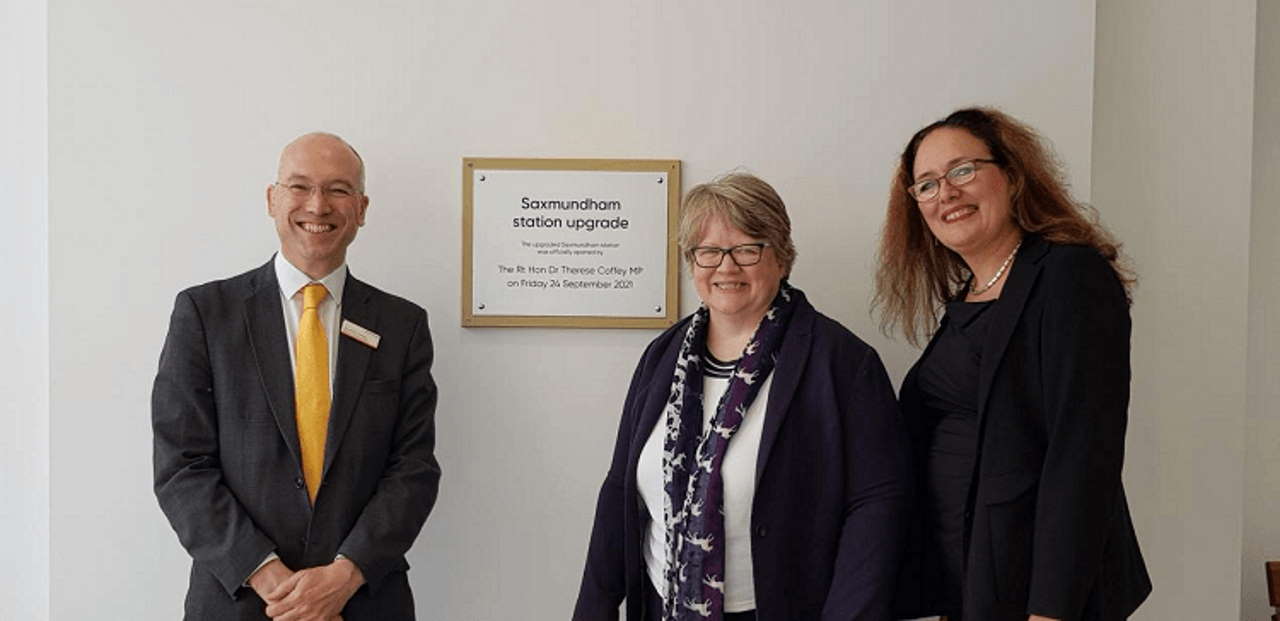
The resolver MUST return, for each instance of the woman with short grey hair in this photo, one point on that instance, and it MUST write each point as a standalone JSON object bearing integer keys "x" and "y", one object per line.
{"x": 760, "y": 469}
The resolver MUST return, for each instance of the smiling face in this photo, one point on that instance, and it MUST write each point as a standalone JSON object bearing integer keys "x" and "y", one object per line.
{"x": 730, "y": 292}
{"x": 315, "y": 228}
{"x": 971, "y": 218}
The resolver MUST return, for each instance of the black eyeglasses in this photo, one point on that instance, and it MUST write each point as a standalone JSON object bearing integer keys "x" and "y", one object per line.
{"x": 926, "y": 190}
{"x": 744, "y": 255}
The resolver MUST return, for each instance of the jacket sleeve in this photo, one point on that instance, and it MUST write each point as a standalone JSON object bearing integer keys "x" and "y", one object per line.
{"x": 1085, "y": 366}
{"x": 406, "y": 493}
{"x": 604, "y": 578}
{"x": 210, "y": 522}
{"x": 877, "y": 493}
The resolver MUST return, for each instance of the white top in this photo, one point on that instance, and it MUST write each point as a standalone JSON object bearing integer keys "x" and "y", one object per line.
{"x": 738, "y": 471}
{"x": 292, "y": 280}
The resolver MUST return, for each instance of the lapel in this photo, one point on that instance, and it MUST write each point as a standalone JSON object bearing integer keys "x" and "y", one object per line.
{"x": 264, "y": 317}
{"x": 786, "y": 377}
{"x": 654, "y": 399}
{"x": 353, "y": 361}
{"x": 1005, "y": 314}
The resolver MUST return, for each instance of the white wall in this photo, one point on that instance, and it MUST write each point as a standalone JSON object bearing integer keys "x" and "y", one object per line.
{"x": 1262, "y": 454}
{"x": 1173, "y": 115}
{"x": 165, "y": 120}
{"x": 24, "y": 314}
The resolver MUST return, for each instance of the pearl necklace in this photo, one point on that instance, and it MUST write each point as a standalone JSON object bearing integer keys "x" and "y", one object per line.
{"x": 999, "y": 272}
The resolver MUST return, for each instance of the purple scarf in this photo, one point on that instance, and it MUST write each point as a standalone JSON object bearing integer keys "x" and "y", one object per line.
{"x": 692, "y": 456}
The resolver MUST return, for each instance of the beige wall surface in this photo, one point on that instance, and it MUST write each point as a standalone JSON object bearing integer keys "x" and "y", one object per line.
{"x": 1262, "y": 437}
{"x": 1173, "y": 113}
{"x": 24, "y": 312}
{"x": 166, "y": 118}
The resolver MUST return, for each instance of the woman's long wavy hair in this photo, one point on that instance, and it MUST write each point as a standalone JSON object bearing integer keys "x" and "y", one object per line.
{"x": 917, "y": 274}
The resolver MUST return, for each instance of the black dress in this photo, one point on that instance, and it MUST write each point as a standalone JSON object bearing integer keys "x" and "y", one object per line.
{"x": 949, "y": 387}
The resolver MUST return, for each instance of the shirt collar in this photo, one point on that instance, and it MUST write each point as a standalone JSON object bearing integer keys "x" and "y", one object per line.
{"x": 292, "y": 279}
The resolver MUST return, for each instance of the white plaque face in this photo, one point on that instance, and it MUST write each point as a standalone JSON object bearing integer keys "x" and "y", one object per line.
{"x": 569, "y": 243}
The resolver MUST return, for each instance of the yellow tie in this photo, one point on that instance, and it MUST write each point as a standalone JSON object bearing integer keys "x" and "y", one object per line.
{"x": 311, "y": 392}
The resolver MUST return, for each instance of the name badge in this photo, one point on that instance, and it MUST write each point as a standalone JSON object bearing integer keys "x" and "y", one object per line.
{"x": 360, "y": 333}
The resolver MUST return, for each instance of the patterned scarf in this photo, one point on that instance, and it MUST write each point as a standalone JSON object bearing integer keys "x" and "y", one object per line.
{"x": 692, "y": 456}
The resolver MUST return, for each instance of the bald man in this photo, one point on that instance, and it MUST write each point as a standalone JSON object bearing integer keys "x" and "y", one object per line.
{"x": 293, "y": 416}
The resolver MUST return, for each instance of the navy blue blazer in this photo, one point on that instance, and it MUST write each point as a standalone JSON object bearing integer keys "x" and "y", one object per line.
{"x": 832, "y": 483}
{"x": 227, "y": 464}
{"x": 1048, "y": 528}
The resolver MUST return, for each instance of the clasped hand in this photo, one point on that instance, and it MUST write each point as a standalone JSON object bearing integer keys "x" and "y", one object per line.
{"x": 314, "y": 594}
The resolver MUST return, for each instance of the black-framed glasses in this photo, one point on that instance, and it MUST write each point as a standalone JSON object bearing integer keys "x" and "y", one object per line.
{"x": 926, "y": 190}
{"x": 744, "y": 255}
{"x": 303, "y": 191}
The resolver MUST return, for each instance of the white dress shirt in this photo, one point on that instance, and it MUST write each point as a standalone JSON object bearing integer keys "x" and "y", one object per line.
{"x": 292, "y": 280}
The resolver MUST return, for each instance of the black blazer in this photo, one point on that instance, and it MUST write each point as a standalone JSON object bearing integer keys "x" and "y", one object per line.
{"x": 227, "y": 463}
{"x": 831, "y": 483}
{"x": 1049, "y": 531}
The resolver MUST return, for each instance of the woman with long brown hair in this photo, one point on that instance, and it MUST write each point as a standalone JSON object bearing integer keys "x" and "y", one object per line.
{"x": 1018, "y": 405}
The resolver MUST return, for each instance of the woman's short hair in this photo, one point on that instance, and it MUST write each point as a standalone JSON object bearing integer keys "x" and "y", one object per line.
{"x": 744, "y": 201}
{"x": 917, "y": 274}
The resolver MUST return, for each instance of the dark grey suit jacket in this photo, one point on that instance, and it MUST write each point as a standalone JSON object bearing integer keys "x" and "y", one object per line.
{"x": 227, "y": 463}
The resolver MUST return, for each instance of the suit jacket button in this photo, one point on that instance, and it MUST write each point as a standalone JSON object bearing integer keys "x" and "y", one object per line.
{"x": 762, "y": 531}
{"x": 299, "y": 483}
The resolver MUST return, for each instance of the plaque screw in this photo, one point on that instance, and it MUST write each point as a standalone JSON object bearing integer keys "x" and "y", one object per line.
{"x": 659, "y": 179}
{"x": 481, "y": 307}
{"x": 482, "y": 177}
{"x": 657, "y": 309}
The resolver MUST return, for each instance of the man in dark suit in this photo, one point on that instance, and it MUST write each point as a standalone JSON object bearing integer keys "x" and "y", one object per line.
{"x": 293, "y": 416}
